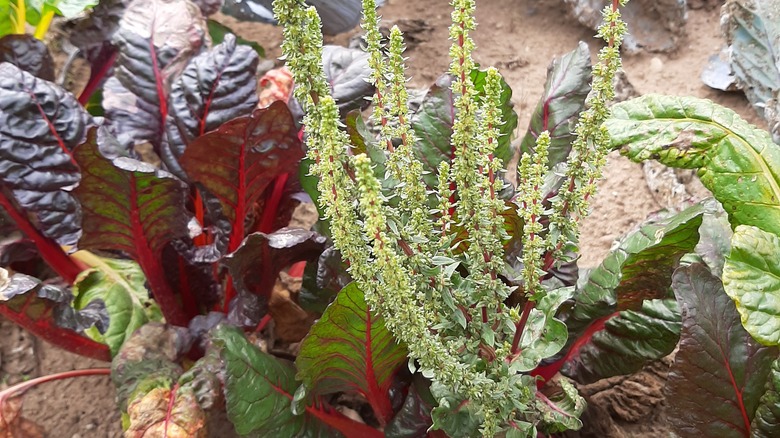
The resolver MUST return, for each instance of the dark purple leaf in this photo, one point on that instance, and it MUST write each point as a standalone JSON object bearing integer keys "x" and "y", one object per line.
{"x": 45, "y": 311}
{"x": 719, "y": 373}
{"x": 156, "y": 39}
{"x": 620, "y": 319}
{"x": 256, "y": 264}
{"x": 337, "y": 15}
{"x": 347, "y": 71}
{"x": 239, "y": 160}
{"x": 259, "y": 391}
{"x": 432, "y": 124}
{"x": 194, "y": 282}
{"x": 323, "y": 280}
{"x": 29, "y": 54}
{"x": 414, "y": 418}
{"x": 217, "y": 86}
{"x": 91, "y": 32}
{"x": 22, "y": 256}
{"x": 567, "y": 86}
{"x": 350, "y": 349}
{"x": 40, "y": 124}
{"x": 130, "y": 206}
{"x": 623, "y": 343}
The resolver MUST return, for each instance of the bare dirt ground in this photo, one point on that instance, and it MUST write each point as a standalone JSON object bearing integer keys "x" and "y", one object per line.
{"x": 520, "y": 37}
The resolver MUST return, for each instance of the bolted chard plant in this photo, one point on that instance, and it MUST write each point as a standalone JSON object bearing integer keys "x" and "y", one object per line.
{"x": 430, "y": 262}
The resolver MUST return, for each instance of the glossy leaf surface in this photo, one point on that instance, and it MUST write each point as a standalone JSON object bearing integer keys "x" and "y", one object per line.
{"x": 40, "y": 124}
{"x": 156, "y": 39}
{"x": 29, "y": 54}
{"x": 737, "y": 162}
{"x": 719, "y": 373}
{"x": 215, "y": 87}
{"x": 238, "y": 161}
{"x": 751, "y": 277}
{"x": 44, "y": 309}
{"x": 349, "y": 348}
{"x": 132, "y": 207}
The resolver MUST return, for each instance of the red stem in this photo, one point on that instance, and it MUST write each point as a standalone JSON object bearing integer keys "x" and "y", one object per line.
{"x": 24, "y": 386}
{"x": 50, "y": 251}
{"x": 95, "y": 77}
{"x": 271, "y": 208}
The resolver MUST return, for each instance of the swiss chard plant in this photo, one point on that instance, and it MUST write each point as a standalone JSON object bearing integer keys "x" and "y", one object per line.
{"x": 731, "y": 342}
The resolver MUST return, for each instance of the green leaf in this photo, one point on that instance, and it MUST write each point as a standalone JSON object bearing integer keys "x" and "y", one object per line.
{"x": 766, "y": 422}
{"x": 217, "y": 32}
{"x": 641, "y": 266}
{"x": 120, "y": 285}
{"x": 7, "y": 17}
{"x": 259, "y": 391}
{"x": 567, "y": 86}
{"x": 350, "y": 349}
{"x": 719, "y": 373}
{"x": 64, "y": 8}
{"x": 622, "y": 317}
{"x": 544, "y": 336}
{"x": 751, "y": 277}
{"x": 737, "y": 162}
{"x": 561, "y": 412}
{"x": 715, "y": 238}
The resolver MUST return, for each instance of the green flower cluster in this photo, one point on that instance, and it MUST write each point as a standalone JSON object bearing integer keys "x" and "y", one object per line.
{"x": 438, "y": 291}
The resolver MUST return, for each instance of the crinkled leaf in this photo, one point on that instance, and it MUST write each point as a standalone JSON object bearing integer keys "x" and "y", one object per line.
{"x": 45, "y": 311}
{"x": 753, "y": 32}
{"x": 347, "y": 71}
{"x": 637, "y": 270}
{"x": 751, "y": 277}
{"x": 561, "y": 412}
{"x": 13, "y": 424}
{"x": 714, "y": 238}
{"x": 120, "y": 286}
{"x": 719, "y": 372}
{"x": 256, "y": 264}
{"x": 215, "y": 87}
{"x": 171, "y": 412}
{"x": 40, "y": 124}
{"x": 132, "y": 207}
{"x": 259, "y": 391}
{"x": 544, "y": 335}
{"x": 350, "y": 349}
{"x": 218, "y": 32}
{"x": 238, "y": 161}
{"x": 766, "y": 422}
{"x": 29, "y": 54}
{"x": 323, "y": 280}
{"x": 567, "y": 86}
{"x": 156, "y": 39}
{"x": 195, "y": 282}
{"x": 337, "y": 15}
{"x": 737, "y": 162}
{"x": 147, "y": 360}
{"x": 623, "y": 343}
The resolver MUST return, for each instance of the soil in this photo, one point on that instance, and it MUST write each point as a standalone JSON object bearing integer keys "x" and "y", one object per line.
{"x": 520, "y": 37}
